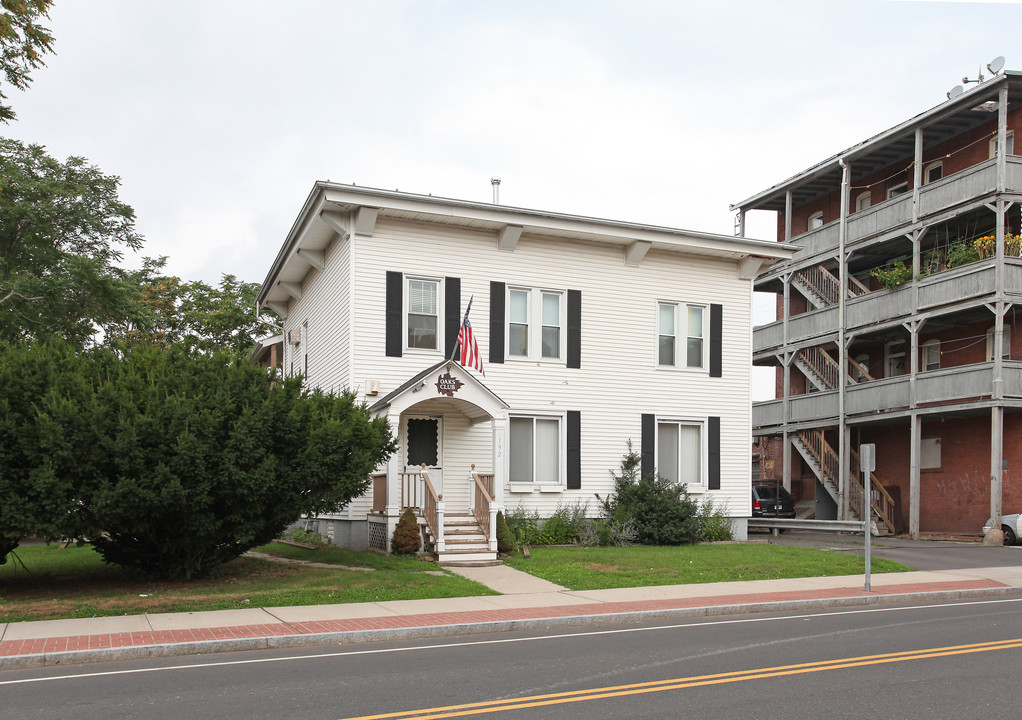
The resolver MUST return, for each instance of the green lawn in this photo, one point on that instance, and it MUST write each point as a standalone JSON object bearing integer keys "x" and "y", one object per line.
{"x": 74, "y": 582}
{"x": 597, "y": 568}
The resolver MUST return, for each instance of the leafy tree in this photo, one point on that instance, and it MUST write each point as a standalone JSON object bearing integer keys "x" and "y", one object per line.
{"x": 663, "y": 513}
{"x": 62, "y": 229}
{"x": 23, "y": 42}
{"x": 173, "y": 462}
{"x": 166, "y": 310}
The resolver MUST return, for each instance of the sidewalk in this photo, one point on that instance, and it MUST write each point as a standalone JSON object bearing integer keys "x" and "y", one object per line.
{"x": 526, "y": 603}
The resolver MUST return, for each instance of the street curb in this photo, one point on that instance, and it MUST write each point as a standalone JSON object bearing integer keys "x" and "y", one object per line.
{"x": 203, "y": 647}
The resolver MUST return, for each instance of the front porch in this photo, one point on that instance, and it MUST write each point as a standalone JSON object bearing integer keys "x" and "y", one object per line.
{"x": 450, "y": 427}
{"x": 455, "y": 534}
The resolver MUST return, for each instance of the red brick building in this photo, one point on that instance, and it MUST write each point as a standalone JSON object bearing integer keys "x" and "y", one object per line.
{"x": 898, "y": 321}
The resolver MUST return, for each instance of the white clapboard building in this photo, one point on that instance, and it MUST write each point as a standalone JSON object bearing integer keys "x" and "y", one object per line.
{"x": 592, "y": 333}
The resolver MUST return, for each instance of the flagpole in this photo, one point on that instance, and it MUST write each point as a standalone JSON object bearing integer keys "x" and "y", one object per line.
{"x": 467, "y": 309}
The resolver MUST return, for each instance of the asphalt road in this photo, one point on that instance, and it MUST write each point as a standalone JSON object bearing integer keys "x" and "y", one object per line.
{"x": 916, "y": 554}
{"x": 938, "y": 661}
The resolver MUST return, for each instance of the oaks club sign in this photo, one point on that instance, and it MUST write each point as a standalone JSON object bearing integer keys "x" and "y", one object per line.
{"x": 447, "y": 384}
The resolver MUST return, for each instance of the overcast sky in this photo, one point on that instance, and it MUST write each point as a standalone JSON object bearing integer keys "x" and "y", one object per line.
{"x": 218, "y": 115}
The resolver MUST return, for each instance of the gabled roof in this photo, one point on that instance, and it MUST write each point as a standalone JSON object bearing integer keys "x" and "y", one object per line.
{"x": 943, "y": 121}
{"x": 476, "y": 400}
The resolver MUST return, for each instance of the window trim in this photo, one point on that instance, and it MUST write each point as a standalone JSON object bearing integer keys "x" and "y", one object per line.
{"x": 897, "y": 190}
{"x": 888, "y": 356}
{"x": 562, "y": 445}
{"x": 1009, "y": 140}
{"x": 866, "y": 195}
{"x": 818, "y": 215}
{"x": 687, "y": 421}
{"x": 923, "y": 356}
{"x": 405, "y": 312}
{"x": 1006, "y": 354}
{"x": 681, "y": 332}
{"x": 534, "y": 324}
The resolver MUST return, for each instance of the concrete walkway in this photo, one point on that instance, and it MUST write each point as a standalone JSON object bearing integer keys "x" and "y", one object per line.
{"x": 525, "y": 603}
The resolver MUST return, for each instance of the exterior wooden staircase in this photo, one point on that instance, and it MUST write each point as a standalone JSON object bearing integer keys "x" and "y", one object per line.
{"x": 465, "y": 543}
{"x": 824, "y": 461}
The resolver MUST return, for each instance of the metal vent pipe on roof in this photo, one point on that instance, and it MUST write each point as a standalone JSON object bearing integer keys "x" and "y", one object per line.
{"x": 495, "y": 182}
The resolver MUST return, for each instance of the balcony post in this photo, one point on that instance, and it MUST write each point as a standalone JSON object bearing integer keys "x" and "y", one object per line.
{"x": 996, "y": 471}
{"x": 843, "y": 433}
{"x": 915, "y": 443}
{"x": 787, "y": 216}
{"x": 917, "y": 174}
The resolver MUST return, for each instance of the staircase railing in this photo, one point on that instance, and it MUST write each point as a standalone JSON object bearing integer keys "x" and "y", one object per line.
{"x": 433, "y": 511}
{"x": 861, "y": 370}
{"x": 417, "y": 492}
{"x": 856, "y": 286}
{"x": 821, "y": 363}
{"x": 821, "y": 281}
{"x": 879, "y": 499}
{"x": 483, "y": 484}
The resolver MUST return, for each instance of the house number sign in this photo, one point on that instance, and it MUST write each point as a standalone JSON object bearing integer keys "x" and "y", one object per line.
{"x": 447, "y": 384}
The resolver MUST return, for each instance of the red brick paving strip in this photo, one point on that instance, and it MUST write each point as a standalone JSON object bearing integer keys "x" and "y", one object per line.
{"x": 166, "y": 637}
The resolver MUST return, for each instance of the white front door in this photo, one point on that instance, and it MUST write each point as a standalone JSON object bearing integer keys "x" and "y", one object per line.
{"x": 424, "y": 445}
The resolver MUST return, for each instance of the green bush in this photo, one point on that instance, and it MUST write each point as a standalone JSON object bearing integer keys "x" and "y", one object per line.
{"x": 505, "y": 538}
{"x": 173, "y": 462}
{"x": 661, "y": 511}
{"x": 564, "y": 526}
{"x": 407, "y": 538}
{"x": 525, "y": 527}
{"x": 714, "y": 522}
{"x": 959, "y": 253}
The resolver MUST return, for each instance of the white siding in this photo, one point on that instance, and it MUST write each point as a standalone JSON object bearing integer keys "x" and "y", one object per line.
{"x": 618, "y": 380}
{"x": 325, "y": 307}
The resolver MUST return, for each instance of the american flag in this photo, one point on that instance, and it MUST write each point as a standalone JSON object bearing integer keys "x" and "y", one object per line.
{"x": 470, "y": 356}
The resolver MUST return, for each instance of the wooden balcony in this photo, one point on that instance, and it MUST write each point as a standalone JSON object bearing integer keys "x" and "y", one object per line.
{"x": 960, "y": 384}
{"x": 960, "y": 285}
{"x": 962, "y": 187}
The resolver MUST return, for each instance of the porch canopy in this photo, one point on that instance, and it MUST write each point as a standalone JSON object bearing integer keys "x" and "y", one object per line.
{"x": 447, "y": 381}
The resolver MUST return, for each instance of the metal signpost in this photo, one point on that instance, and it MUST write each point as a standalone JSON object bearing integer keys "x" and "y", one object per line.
{"x": 867, "y": 461}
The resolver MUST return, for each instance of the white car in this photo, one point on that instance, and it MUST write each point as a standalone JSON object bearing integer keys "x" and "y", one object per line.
{"x": 1009, "y": 526}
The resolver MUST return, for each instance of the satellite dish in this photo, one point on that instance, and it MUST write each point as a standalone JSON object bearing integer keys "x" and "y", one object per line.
{"x": 996, "y": 64}
{"x": 955, "y": 92}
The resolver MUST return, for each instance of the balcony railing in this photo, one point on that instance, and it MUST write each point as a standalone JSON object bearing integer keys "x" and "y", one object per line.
{"x": 947, "y": 385}
{"x": 961, "y": 187}
{"x": 958, "y": 285}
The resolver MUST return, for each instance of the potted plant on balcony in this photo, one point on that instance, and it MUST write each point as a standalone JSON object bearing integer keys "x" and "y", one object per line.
{"x": 892, "y": 276}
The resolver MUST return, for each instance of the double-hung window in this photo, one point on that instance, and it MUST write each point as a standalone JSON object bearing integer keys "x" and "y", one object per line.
{"x": 534, "y": 450}
{"x": 423, "y": 314}
{"x": 680, "y": 451}
{"x": 535, "y": 324}
{"x": 684, "y": 325}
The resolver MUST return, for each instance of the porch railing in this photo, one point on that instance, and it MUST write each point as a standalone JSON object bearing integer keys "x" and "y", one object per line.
{"x": 483, "y": 486}
{"x": 417, "y": 492}
{"x": 433, "y": 511}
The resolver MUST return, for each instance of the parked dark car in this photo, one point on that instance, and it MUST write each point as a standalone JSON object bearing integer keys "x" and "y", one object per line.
{"x": 765, "y": 502}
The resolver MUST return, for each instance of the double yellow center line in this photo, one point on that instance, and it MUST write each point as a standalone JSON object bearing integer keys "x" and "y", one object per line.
{"x": 614, "y": 691}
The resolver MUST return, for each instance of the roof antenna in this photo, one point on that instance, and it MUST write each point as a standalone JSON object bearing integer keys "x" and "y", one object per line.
{"x": 495, "y": 182}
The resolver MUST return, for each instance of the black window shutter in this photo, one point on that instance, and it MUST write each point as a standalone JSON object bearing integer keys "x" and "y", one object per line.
{"x": 648, "y": 451}
{"x": 496, "y": 322}
{"x": 713, "y": 453}
{"x": 452, "y": 314}
{"x": 574, "y": 329}
{"x": 716, "y": 346}
{"x": 573, "y": 454}
{"x": 395, "y": 286}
